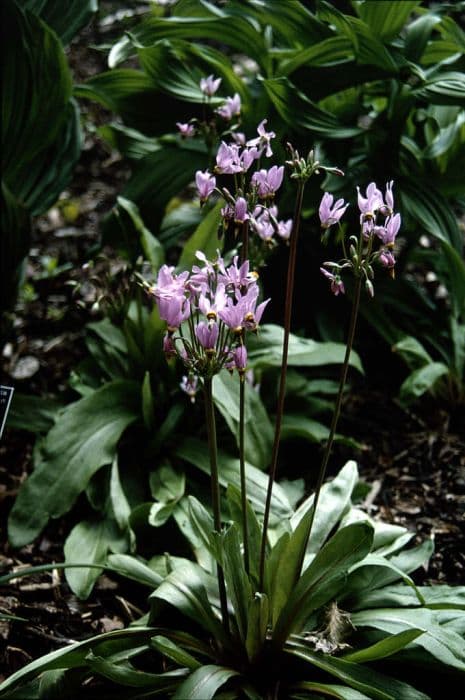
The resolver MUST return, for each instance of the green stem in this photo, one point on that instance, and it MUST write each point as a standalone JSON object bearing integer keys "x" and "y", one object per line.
{"x": 245, "y": 525}
{"x": 215, "y": 488}
{"x": 282, "y": 381}
{"x": 337, "y": 407}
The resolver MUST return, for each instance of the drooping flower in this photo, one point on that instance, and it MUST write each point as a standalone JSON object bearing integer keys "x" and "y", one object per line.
{"x": 371, "y": 203}
{"x": 337, "y": 285}
{"x": 186, "y": 130}
{"x": 190, "y": 385}
{"x": 240, "y": 358}
{"x": 387, "y": 233}
{"x": 174, "y": 310}
{"x": 387, "y": 259}
{"x": 231, "y": 108}
{"x": 206, "y": 183}
{"x": 330, "y": 214}
{"x": 209, "y": 85}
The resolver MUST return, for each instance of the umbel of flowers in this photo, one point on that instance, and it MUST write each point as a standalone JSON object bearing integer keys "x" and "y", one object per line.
{"x": 379, "y": 226}
{"x": 208, "y": 312}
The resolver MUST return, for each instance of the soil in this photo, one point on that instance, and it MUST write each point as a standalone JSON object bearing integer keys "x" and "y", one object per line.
{"x": 414, "y": 464}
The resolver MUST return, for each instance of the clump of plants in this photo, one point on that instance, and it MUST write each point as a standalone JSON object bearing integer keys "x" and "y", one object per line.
{"x": 316, "y": 604}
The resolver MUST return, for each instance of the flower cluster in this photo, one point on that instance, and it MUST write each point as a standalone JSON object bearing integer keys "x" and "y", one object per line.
{"x": 208, "y": 312}
{"x": 379, "y": 226}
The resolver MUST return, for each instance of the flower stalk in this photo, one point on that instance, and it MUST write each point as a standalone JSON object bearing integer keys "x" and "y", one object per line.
{"x": 215, "y": 487}
{"x": 282, "y": 380}
{"x": 245, "y": 525}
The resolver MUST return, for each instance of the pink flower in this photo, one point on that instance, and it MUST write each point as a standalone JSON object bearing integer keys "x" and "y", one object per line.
{"x": 285, "y": 229}
{"x": 240, "y": 358}
{"x": 387, "y": 259}
{"x": 268, "y": 181}
{"x": 207, "y": 334}
{"x": 337, "y": 285}
{"x": 372, "y": 202}
{"x": 227, "y": 159}
{"x": 209, "y": 85}
{"x": 174, "y": 310}
{"x": 231, "y": 108}
{"x": 330, "y": 214}
{"x": 190, "y": 385}
{"x": 185, "y": 130}
{"x": 263, "y": 139}
{"x": 248, "y": 156}
{"x": 387, "y": 233}
{"x": 206, "y": 183}
{"x": 240, "y": 211}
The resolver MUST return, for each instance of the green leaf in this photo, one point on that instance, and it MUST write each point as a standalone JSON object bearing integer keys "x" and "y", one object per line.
{"x": 15, "y": 231}
{"x": 36, "y": 88}
{"x": 148, "y": 411}
{"x": 374, "y": 684}
{"x": 297, "y": 110}
{"x": 202, "y": 523}
{"x": 174, "y": 652}
{"x": 431, "y": 211}
{"x": 237, "y": 581}
{"x": 421, "y": 381}
{"x": 138, "y": 237}
{"x": 119, "y": 502}
{"x": 439, "y": 597}
{"x": 336, "y": 49}
{"x": 340, "y": 692}
{"x": 385, "y": 647}
{"x": 266, "y": 351}
{"x": 322, "y": 580}
{"x": 87, "y": 542}
{"x": 32, "y": 413}
{"x": 203, "y": 683}
{"x": 333, "y": 503}
{"x": 444, "y": 89}
{"x": 195, "y": 452}
{"x": 184, "y": 590}
{"x": 386, "y": 19}
{"x": 124, "y": 674}
{"x": 83, "y": 439}
{"x": 74, "y": 655}
{"x": 204, "y": 238}
{"x": 134, "y": 569}
{"x": 412, "y": 351}
{"x": 444, "y": 645}
{"x": 257, "y": 625}
{"x": 66, "y": 20}
{"x": 167, "y": 484}
{"x": 234, "y": 498}
{"x": 258, "y": 429}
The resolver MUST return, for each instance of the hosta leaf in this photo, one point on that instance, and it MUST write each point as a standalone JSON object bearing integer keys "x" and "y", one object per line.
{"x": 65, "y": 19}
{"x": 83, "y": 439}
{"x": 203, "y": 683}
{"x": 301, "y": 113}
{"x": 366, "y": 680}
{"x": 322, "y": 580}
{"x": 386, "y": 19}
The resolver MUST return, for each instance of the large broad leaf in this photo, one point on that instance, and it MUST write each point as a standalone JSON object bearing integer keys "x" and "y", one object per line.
{"x": 36, "y": 88}
{"x": 258, "y": 429}
{"x": 435, "y": 597}
{"x": 442, "y": 644}
{"x": 366, "y": 680}
{"x": 240, "y": 34}
{"x": 301, "y": 113}
{"x": 329, "y": 52}
{"x": 385, "y": 647}
{"x": 15, "y": 229}
{"x": 83, "y": 439}
{"x": 203, "y": 683}
{"x": 32, "y": 413}
{"x": 266, "y": 351}
{"x": 66, "y": 19}
{"x": 322, "y": 580}
{"x": 386, "y": 19}
{"x": 195, "y": 452}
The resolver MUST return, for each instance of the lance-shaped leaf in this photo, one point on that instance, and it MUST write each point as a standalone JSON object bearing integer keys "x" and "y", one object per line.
{"x": 203, "y": 683}
{"x": 83, "y": 439}
{"x": 323, "y": 579}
